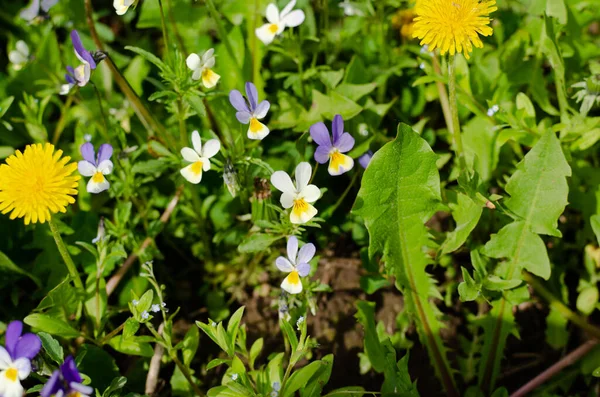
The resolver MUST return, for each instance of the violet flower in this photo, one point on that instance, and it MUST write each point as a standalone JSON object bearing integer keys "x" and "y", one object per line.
{"x": 332, "y": 151}
{"x": 365, "y": 159}
{"x": 96, "y": 167}
{"x": 251, "y": 114}
{"x": 15, "y": 359}
{"x": 296, "y": 264}
{"x": 81, "y": 74}
{"x": 66, "y": 381}
{"x": 33, "y": 11}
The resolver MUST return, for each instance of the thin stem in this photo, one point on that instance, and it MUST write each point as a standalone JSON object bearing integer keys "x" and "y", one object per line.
{"x": 184, "y": 370}
{"x": 223, "y": 33}
{"x": 60, "y": 125}
{"x": 332, "y": 209}
{"x": 454, "y": 111}
{"x": 183, "y": 136}
{"x": 556, "y": 304}
{"x": 104, "y": 122}
{"x": 62, "y": 249}
{"x": 163, "y": 25}
{"x": 288, "y": 371}
{"x": 178, "y": 37}
{"x": 314, "y": 172}
{"x": 555, "y": 369}
{"x": 112, "y": 334}
{"x": 301, "y": 75}
{"x": 443, "y": 95}
{"x": 254, "y": 45}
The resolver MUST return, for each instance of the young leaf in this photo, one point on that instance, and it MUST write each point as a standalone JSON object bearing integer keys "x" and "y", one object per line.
{"x": 400, "y": 192}
{"x": 52, "y": 347}
{"x": 51, "y": 325}
{"x": 300, "y": 378}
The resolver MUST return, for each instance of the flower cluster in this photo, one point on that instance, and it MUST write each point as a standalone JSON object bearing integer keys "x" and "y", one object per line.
{"x": 15, "y": 359}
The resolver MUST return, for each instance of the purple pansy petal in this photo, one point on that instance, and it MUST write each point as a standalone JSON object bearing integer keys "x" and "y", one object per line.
{"x": 322, "y": 154}
{"x": 47, "y": 4}
{"x": 306, "y": 253}
{"x": 365, "y": 159}
{"x": 28, "y": 346}
{"x": 337, "y": 128}
{"x": 69, "y": 78}
{"x": 69, "y": 371}
{"x": 52, "y": 386}
{"x": 32, "y": 11}
{"x": 238, "y": 102}
{"x": 70, "y": 70}
{"x": 283, "y": 264}
{"x": 243, "y": 117}
{"x": 345, "y": 143}
{"x": 13, "y": 333}
{"x": 303, "y": 269}
{"x": 81, "y": 389}
{"x": 105, "y": 152}
{"x": 292, "y": 249}
{"x": 262, "y": 109}
{"x": 252, "y": 95}
{"x": 80, "y": 49}
{"x": 320, "y": 135}
{"x": 87, "y": 152}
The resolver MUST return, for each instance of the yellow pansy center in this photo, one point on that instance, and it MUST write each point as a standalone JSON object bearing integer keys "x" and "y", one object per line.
{"x": 273, "y": 28}
{"x": 98, "y": 177}
{"x": 207, "y": 74}
{"x": 197, "y": 167}
{"x": 255, "y": 125}
{"x": 11, "y": 374}
{"x": 294, "y": 277}
{"x": 300, "y": 207}
{"x": 336, "y": 158}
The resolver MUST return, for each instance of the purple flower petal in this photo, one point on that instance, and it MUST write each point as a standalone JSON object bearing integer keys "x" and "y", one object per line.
{"x": 252, "y": 95}
{"x": 320, "y": 135}
{"x": 306, "y": 253}
{"x": 322, "y": 154}
{"x": 238, "y": 102}
{"x": 71, "y": 70}
{"x": 337, "y": 128}
{"x": 47, "y": 4}
{"x": 69, "y": 371}
{"x": 32, "y": 11}
{"x": 105, "y": 152}
{"x": 87, "y": 152}
{"x": 13, "y": 333}
{"x": 243, "y": 117}
{"x": 262, "y": 109}
{"x": 292, "y": 249}
{"x": 28, "y": 346}
{"x": 80, "y": 49}
{"x": 345, "y": 143}
{"x": 82, "y": 390}
{"x": 69, "y": 78}
{"x": 52, "y": 386}
{"x": 303, "y": 269}
{"x": 365, "y": 159}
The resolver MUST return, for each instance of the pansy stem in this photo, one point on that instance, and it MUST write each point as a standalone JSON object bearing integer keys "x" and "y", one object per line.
{"x": 163, "y": 25}
{"x": 332, "y": 209}
{"x": 458, "y": 145}
{"x": 224, "y": 38}
{"x": 62, "y": 249}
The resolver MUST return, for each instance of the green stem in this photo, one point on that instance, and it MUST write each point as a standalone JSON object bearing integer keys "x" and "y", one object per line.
{"x": 454, "y": 111}
{"x": 332, "y": 209}
{"x": 60, "y": 126}
{"x": 163, "y": 25}
{"x": 186, "y": 373}
{"x": 443, "y": 95}
{"x": 62, "y": 249}
{"x": 183, "y": 136}
{"x": 223, "y": 33}
{"x": 104, "y": 122}
{"x": 112, "y": 334}
{"x": 178, "y": 37}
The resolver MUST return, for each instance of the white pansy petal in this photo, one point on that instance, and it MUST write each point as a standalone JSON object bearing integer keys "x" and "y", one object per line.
{"x": 292, "y": 283}
{"x": 286, "y": 10}
{"x": 210, "y": 78}
{"x": 284, "y": 264}
{"x": 193, "y": 61}
{"x": 303, "y": 174}
{"x": 12, "y": 389}
{"x": 257, "y": 130}
{"x": 292, "y": 249}
{"x": 211, "y": 148}
{"x": 303, "y": 216}
{"x": 16, "y": 58}
{"x": 272, "y": 13}
{"x": 287, "y": 200}
{"x": 22, "y": 47}
{"x": 209, "y": 63}
{"x": 266, "y": 34}
{"x": 86, "y": 168}
{"x": 311, "y": 193}
{"x": 106, "y": 167}
{"x": 340, "y": 163}
{"x": 205, "y": 164}
{"x": 23, "y": 365}
{"x": 191, "y": 175}
{"x": 207, "y": 55}
{"x": 293, "y": 19}
{"x": 282, "y": 182}
{"x": 5, "y": 360}
{"x": 197, "y": 142}
{"x": 189, "y": 154}
{"x": 197, "y": 74}
{"x": 97, "y": 184}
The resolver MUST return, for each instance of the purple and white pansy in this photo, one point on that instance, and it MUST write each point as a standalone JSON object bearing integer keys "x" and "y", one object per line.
{"x": 250, "y": 112}
{"x": 96, "y": 167}
{"x": 15, "y": 359}
{"x": 81, "y": 74}
{"x": 300, "y": 196}
{"x": 66, "y": 381}
{"x": 296, "y": 265}
{"x": 36, "y": 9}
{"x": 333, "y": 150}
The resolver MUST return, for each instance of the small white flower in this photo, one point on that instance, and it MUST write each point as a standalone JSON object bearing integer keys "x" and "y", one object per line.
{"x": 155, "y": 308}
{"x": 493, "y": 110}
{"x": 145, "y": 315}
{"x": 135, "y": 302}
{"x": 198, "y": 157}
{"x": 202, "y": 68}
{"x": 12, "y": 373}
{"x": 121, "y": 6}
{"x": 299, "y": 322}
{"x": 87, "y": 137}
{"x": 234, "y": 377}
{"x": 422, "y": 66}
{"x": 20, "y": 55}
{"x": 299, "y": 196}
{"x": 350, "y": 9}
{"x": 279, "y": 21}
{"x": 213, "y": 324}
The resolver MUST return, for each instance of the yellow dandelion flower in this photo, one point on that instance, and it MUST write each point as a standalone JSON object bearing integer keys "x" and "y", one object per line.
{"x": 453, "y": 25}
{"x": 36, "y": 183}
{"x": 403, "y": 20}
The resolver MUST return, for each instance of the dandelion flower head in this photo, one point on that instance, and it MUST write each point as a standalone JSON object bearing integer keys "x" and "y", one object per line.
{"x": 453, "y": 26}
{"x": 37, "y": 183}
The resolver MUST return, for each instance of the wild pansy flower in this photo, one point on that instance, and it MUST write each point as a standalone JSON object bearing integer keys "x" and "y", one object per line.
{"x": 66, "y": 381}
{"x": 279, "y": 21}
{"x": 202, "y": 68}
{"x": 333, "y": 150}
{"x": 15, "y": 359}
{"x": 199, "y": 157}
{"x": 296, "y": 264}
{"x": 251, "y": 114}
{"x": 33, "y": 11}
{"x": 20, "y": 55}
{"x": 96, "y": 167}
{"x": 81, "y": 74}
{"x": 297, "y": 197}
{"x": 121, "y": 6}
{"x": 37, "y": 182}
{"x": 365, "y": 159}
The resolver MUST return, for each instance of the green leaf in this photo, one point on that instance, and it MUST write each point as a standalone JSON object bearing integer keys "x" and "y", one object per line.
{"x": 149, "y": 167}
{"x": 216, "y": 362}
{"x": 150, "y": 58}
{"x": 355, "y": 91}
{"x": 290, "y": 334}
{"x": 558, "y": 10}
{"x": 400, "y": 192}
{"x": 595, "y": 221}
{"x": 257, "y": 242}
{"x": 587, "y": 300}
{"x": 115, "y": 386}
{"x": 190, "y": 345}
{"x": 300, "y": 378}
{"x": 365, "y": 315}
{"x": 131, "y": 346}
{"x": 196, "y": 103}
{"x": 349, "y": 391}
{"x": 7, "y": 266}
{"x": 330, "y": 105}
{"x": 468, "y": 289}
{"x": 130, "y": 328}
{"x": 314, "y": 387}
{"x": 52, "y": 347}
{"x": 51, "y": 325}
{"x": 557, "y": 334}
{"x": 466, "y": 213}
{"x": 255, "y": 350}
